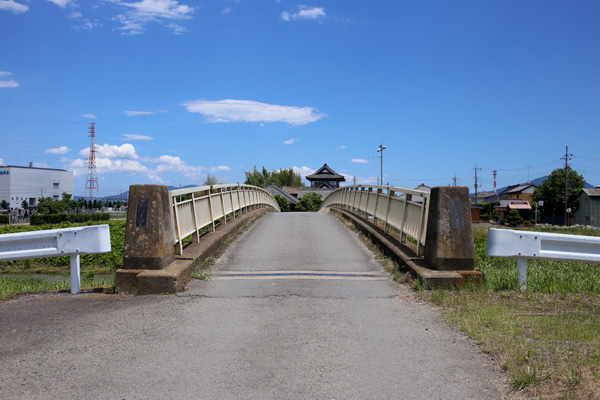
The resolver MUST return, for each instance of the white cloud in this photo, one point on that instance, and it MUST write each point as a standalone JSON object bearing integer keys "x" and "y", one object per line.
{"x": 2, "y": 162}
{"x": 136, "y": 113}
{"x": 220, "y": 168}
{"x": 9, "y": 83}
{"x": 127, "y": 136}
{"x": 57, "y": 150}
{"x": 359, "y": 160}
{"x": 125, "y": 151}
{"x": 124, "y": 159}
{"x": 359, "y": 180}
{"x": 304, "y": 12}
{"x": 303, "y": 171}
{"x": 40, "y": 165}
{"x": 61, "y": 3}
{"x": 290, "y": 141}
{"x": 89, "y": 116}
{"x": 340, "y": 147}
{"x": 226, "y": 10}
{"x": 252, "y": 111}
{"x": 176, "y": 164}
{"x": 11, "y": 5}
{"x": 140, "y": 13}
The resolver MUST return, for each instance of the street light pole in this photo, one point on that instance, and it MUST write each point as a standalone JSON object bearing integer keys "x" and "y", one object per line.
{"x": 380, "y": 150}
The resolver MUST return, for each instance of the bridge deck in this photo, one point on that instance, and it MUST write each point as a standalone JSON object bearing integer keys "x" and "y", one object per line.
{"x": 297, "y": 308}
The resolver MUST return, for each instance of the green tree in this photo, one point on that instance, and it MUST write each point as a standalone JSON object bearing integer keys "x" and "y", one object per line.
{"x": 25, "y": 205}
{"x": 552, "y": 192}
{"x": 4, "y": 204}
{"x": 281, "y": 178}
{"x": 210, "y": 180}
{"x": 310, "y": 202}
{"x": 283, "y": 204}
{"x": 47, "y": 205}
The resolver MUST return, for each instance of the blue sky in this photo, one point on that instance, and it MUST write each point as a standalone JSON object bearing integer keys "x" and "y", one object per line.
{"x": 179, "y": 89}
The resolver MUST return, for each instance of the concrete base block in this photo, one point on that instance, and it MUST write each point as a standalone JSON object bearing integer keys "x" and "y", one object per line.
{"x": 177, "y": 274}
{"x": 126, "y": 280}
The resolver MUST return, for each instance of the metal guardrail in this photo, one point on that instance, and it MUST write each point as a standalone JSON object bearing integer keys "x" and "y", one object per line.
{"x": 198, "y": 207}
{"x": 406, "y": 210}
{"x": 72, "y": 242}
{"x": 524, "y": 246}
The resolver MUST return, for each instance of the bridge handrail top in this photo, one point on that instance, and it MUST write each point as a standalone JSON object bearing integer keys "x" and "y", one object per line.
{"x": 194, "y": 189}
{"x": 395, "y": 189}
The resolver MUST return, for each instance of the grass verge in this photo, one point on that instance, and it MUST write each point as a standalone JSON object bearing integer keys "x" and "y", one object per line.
{"x": 14, "y": 285}
{"x": 548, "y": 337}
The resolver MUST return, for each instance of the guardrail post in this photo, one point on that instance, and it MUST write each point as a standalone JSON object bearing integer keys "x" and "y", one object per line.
{"x": 149, "y": 236}
{"x": 449, "y": 238}
{"x": 522, "y": 273}
{"x": 75, "y": 274}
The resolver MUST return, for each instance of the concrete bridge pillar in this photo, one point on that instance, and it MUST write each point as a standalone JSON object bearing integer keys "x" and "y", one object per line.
{"x": 449, "y": 240}
{"x": 149, "y": 237}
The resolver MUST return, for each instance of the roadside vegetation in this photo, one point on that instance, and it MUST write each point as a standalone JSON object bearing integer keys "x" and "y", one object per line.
{"x": 548, "y": 337}
{"x": 14, "y": 285}
{"x": 91, "y": 265}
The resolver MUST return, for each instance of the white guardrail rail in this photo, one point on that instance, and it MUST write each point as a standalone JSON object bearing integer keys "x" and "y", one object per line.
{"x": 524, "y": 245}
{"x": 197, "y": 207}
{"x": 72, "y": 242}
{"x": 404, "y": 209}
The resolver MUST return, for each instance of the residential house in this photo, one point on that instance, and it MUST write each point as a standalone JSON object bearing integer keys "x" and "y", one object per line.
{"x": 588, "y": 212}
{"x": 522, "y": 192}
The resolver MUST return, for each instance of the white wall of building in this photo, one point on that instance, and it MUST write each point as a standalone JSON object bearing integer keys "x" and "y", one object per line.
{"x": 29, "y": 183}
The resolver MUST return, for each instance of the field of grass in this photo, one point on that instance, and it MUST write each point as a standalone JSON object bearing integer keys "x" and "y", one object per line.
{"x": 548, "y": 337}
{"x": 13, "y": 285}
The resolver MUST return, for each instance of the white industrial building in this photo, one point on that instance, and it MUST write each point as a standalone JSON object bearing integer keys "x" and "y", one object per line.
{"x": 31, "y": 184}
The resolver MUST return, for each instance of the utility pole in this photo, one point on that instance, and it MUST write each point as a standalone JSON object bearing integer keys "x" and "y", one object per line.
{"x": 454, "y": 180}
{"x": 380, "y": 150}
{"x": 567, "y": 157}
{"x": 476, "y": 186}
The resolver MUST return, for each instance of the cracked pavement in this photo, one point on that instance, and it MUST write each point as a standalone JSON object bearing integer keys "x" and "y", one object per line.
{"x": 254, "y": 338}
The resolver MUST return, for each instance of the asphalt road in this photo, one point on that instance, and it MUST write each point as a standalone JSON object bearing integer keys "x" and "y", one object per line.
{"x": 297, "y": 308}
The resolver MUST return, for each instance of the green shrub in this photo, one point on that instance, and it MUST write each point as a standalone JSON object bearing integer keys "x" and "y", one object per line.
{"x": 39, "y": 219}
{"x": 514, "y": 218}
{"x": 3, "y": 219}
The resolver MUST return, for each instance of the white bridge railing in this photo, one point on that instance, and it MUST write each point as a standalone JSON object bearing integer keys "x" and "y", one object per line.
{"x": 524, "y": 245}
{"x": 72, "y": 242}
{"x": 404, "y": 209}
{"x": 198, "y": 207}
